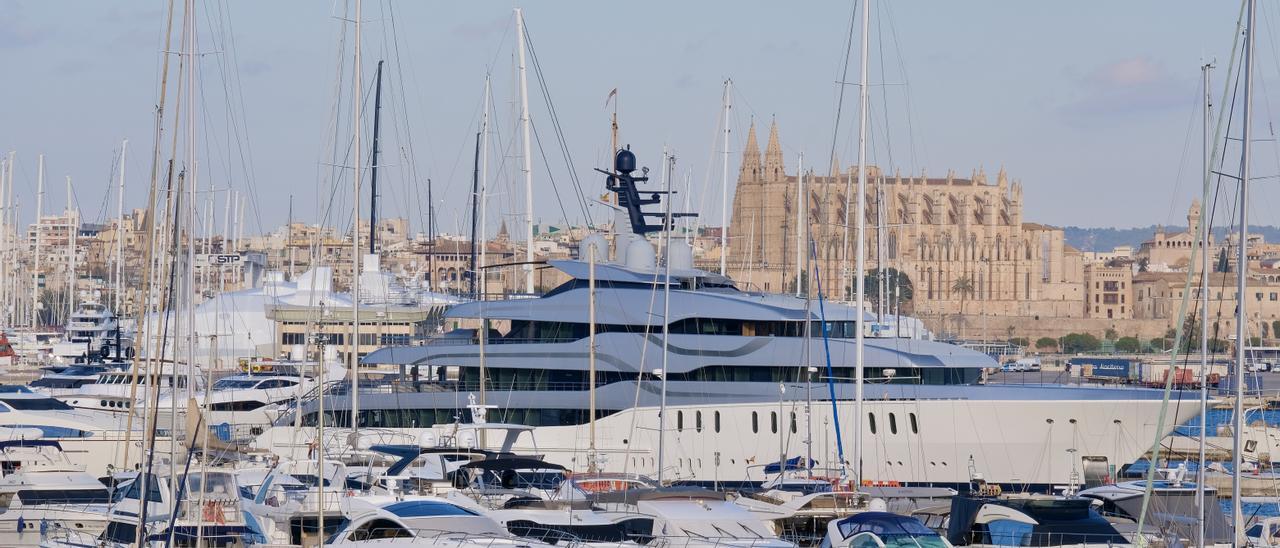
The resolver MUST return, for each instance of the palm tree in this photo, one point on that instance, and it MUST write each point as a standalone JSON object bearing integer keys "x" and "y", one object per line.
{"x": 964, "y": 287}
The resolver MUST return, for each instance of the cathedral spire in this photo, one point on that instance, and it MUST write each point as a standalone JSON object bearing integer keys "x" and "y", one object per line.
{"x": 750, "y": 157}
{"x": 773, "y": 155}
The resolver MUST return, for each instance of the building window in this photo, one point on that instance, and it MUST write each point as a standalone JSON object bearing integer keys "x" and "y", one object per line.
{"x": 1274, "y": 296}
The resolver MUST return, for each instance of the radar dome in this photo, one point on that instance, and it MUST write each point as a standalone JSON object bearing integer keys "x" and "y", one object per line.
{"x": 681, "y": 255}
{"x": 624, "y": 162}
{"x": 596, "y": 242}
{"x": 640, "y": 255}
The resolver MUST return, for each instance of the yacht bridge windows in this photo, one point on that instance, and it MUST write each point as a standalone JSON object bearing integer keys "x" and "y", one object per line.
{"x": 510, "y": 378}
{"x": 536, "y": 331}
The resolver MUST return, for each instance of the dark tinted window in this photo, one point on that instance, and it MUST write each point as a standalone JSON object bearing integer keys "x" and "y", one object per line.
{"x": 36, "y": 404}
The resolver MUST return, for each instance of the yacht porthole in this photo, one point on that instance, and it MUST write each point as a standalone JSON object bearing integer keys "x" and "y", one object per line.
{"x": 1050, "y": 421}
{"x": 1072, "y": 421}
{"x": 932, "y": 463}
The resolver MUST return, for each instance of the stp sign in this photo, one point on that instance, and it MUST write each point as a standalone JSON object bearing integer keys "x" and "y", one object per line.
{"x": 222, "y": 259}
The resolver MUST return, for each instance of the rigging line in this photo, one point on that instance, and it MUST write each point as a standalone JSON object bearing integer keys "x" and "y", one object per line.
{"x": 843, "y": 77}
{"x": 557, "y": 129}
{"x": 537, "y": 138}
{"x": 906, "y": 85}
{"x": 236, "y": 106}
{"x": 884, "y": 97}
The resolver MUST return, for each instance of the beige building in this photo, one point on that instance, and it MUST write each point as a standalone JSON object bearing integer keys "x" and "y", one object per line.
{"x": 1160, "y": 295}
{"x": 962, "y": 241}
{"x": 1108, "y": 291}
{"x": 1167, "y": 252}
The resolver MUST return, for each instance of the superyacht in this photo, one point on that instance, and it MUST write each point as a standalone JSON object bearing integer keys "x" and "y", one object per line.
{"x": 746, "y": 379}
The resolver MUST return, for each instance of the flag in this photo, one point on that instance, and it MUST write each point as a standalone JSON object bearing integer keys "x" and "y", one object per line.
{"x": 612, "y": 93}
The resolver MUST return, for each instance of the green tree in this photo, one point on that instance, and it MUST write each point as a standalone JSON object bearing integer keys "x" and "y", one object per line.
{"x": 1110, "y": 334}
{"x": 1160, "y": 344}
{"x": 1128, "y": 345}
{"x": 895, "y": 281}
{"x": 1144, "y": 264}
{"x": 1046, "y": 343}
{"x": 1020, "y": 341}
{"x": 1275, "y": 329}
{"x": 1080, "y": 342}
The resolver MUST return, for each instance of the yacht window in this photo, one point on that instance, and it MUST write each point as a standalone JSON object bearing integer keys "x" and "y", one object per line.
{"x": 697, "y": 420}
{"x": 131, "y": 491}
{"x": 243, "y": 405}
{"x": 872, "y": 418}
{"x": 63, "y": 496}
{"x": 235, "y": 384}
{"x": 717, "y": 421}
{"x": 915, "y": 428}
{"x": 773, "y": 421}
{"x": 37, "y": 404}
{"x": 679, "y": 421}
{"x": 755, "y": 422}
{"x": 378, "y": 529}
{"x": 893, "y": 423}
{"x": 423, "y": 508}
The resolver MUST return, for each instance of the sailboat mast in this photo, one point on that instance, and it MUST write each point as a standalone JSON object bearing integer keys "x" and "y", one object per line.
{"x": 591, "y": 357}
{"x": 802, "y": 230}
{"x": 35, "y": 272}
{"x": 484, "y": 191}
{"x": 724, "y": 179}
{"x": 1204, "y": 309}
{"x": 1242, "y": 276}
{"x": 666, "y": 314}
{"x": 71, "y": 251}
{"x": 860, "y": 258}
{"x": 475, "y": 219}
{"x": 528, "y": 158}
{"x": 124, "y": 145}
{"x": 373, "y": 170}
{"x": 353, "y": 355}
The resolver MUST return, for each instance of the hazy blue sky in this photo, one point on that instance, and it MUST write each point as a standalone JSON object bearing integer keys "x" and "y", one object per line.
{"x": 1090, "y": 104}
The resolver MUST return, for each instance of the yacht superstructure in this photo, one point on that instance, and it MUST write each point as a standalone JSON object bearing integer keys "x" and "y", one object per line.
{"x": 746, "y": 383}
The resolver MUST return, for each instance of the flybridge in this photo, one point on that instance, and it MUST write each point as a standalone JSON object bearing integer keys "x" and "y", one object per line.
{"x": 623, "y": 184}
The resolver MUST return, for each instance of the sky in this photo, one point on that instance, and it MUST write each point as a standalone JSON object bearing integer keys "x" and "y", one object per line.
{"x": 1093, "y": 106}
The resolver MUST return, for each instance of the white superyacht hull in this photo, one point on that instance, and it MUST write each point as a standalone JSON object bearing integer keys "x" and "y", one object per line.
{"x": 916, "y": 441}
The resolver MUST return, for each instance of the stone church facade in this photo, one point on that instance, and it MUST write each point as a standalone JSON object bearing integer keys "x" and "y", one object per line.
{"x": 936, "y": 230}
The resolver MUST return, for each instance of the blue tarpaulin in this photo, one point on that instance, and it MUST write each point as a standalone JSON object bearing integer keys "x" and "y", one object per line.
{"x": 795, "y": 463}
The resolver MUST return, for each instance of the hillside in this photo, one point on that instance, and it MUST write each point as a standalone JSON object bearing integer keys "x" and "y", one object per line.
{"x": 1106, "y": 239}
